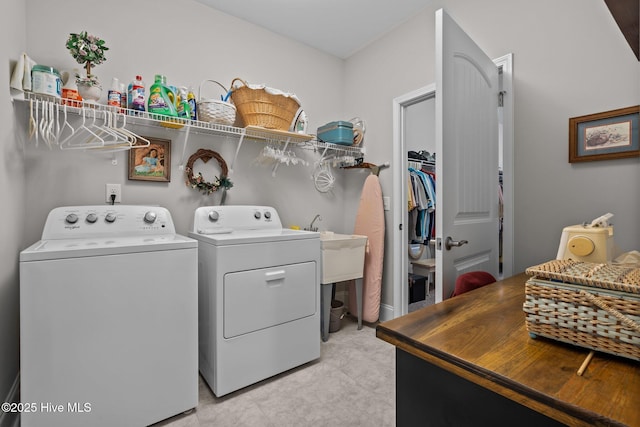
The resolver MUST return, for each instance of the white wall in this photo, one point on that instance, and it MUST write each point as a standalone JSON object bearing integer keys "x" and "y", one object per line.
{"x": 188, "y": 44}
{"x": 12, "y": 190}
{"x": 570, "y": 59}
{"x": 420, "y": 127}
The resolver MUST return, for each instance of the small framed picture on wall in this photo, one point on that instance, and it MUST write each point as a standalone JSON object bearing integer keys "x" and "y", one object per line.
{"x": 604, "y": 136}
{"x": 151, "y": 163}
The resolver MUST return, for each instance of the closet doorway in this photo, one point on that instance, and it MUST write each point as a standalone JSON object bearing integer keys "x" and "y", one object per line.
{"x": 414, "y": 130}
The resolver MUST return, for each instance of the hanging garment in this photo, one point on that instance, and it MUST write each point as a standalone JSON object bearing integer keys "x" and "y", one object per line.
{"x": 411, "y": 203}
{"x": 424, "y": 194}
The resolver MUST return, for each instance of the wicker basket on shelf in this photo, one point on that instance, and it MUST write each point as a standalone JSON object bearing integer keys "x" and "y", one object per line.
{"x": 596, "y": 306}
{"x": 215, "y": 110}
{"x": 258, "y": 107}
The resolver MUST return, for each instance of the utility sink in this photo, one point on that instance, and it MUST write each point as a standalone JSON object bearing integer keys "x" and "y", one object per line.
{"x": 342, "y": 256}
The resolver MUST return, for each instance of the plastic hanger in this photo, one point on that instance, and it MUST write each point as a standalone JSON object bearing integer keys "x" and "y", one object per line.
{"x": 66, "y": 124}
{"x": 72, "y": 142}
{"x": 104, "y": 130}
{"x": 124, "y": 140}
{"x": 137, "y": 138}
{"x": 33, "y": 123}
{"x": 50, "y": 135}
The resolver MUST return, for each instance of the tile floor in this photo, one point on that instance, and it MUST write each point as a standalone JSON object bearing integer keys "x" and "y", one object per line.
{"x": 352, "y": 384}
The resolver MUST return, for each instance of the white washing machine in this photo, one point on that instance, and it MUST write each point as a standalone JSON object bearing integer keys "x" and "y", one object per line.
{"x": 108, "y": 319}
{"x": 258, "y": 295}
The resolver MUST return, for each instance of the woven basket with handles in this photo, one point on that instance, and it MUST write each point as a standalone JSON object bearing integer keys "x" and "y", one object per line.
{"x": 596, "y": 306}
{"x": 257, "y": 107}
{"x": 215, "y": 110}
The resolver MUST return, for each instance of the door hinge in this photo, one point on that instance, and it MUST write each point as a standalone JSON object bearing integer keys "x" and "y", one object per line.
{"x": 501, "y": 98}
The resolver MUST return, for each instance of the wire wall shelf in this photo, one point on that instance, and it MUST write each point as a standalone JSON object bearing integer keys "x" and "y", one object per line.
{"x": 126, "y": 117}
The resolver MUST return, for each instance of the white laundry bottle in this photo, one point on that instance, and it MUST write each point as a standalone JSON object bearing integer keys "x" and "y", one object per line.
{"x": 70, "y": 95}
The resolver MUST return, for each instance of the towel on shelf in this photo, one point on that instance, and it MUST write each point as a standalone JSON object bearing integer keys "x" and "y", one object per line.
{"x": 21, "y": 76}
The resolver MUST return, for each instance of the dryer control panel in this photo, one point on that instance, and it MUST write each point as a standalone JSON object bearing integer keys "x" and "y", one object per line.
{"x": 72, "y": 222}
{"x": 225, "y": 219}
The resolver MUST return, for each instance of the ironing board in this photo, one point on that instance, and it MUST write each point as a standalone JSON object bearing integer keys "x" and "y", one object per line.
{"x": 370, "y": 223}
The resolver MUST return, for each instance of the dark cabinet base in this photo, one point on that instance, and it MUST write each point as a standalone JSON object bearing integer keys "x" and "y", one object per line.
{"x": 427, "y": 395}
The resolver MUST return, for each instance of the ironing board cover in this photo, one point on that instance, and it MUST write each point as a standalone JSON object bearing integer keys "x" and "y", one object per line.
{"x": 370, "y": 223}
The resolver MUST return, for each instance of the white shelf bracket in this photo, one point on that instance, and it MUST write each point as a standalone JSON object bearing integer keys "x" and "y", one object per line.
{"x": 184, "y": 147}
{"x": 235, "y": 157}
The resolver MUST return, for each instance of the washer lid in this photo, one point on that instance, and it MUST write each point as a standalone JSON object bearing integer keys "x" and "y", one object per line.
{"x": 99, "y": 246}
{"x": 236, "y": 237}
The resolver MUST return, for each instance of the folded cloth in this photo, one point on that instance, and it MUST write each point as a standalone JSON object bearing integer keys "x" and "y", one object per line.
{"x": 630, "y": 258}
{"x": 21, "y": 76}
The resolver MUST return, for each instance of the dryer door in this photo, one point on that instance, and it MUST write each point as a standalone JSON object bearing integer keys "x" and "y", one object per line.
{"x": 263, "y": 298}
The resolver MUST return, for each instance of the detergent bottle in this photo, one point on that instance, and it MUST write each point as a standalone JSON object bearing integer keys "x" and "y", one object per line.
{"x": 176, "y": 95}
{"x": 183, "y": 107}
{"x": 191, "y": 98}
{"x": 70, "y": 95}
{"x": 135, "y": 94}
{"x": 114, "y": 96}
{"x": 161, "y": 98}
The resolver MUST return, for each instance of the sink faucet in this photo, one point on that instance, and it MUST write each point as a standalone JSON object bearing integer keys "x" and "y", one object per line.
{"x": 311, "y": 227}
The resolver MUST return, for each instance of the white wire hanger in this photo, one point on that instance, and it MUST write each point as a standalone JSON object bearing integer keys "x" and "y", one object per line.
{"x": 83, "y": 138}
{"x": 123, "y": 139}
{"x": 271, "y": 155}
{"x": 101, "y": 134}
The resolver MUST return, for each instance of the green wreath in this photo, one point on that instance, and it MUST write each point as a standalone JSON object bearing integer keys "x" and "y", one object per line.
{"x": 198, "y": 182}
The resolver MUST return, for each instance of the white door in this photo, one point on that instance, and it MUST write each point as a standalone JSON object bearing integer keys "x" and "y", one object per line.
{"x": 467, "y": 166}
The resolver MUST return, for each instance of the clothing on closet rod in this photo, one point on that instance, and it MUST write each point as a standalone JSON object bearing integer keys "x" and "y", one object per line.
{"x": 421, "y": 205}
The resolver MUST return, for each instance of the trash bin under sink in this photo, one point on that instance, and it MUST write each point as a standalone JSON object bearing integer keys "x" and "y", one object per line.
{"x": 342, "y": 259}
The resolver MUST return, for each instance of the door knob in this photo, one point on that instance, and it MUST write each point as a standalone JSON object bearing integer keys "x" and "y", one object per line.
{"x": 450, "y": 243}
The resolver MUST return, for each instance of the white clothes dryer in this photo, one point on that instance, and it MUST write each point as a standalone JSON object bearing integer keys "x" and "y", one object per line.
{"x": 108, "y": 319}
{"x": 258, "y": 295}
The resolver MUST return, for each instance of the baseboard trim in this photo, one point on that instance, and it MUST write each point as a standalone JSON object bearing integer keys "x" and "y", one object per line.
{"x": 386, "y": 312}
{"x": 11, "y": 419}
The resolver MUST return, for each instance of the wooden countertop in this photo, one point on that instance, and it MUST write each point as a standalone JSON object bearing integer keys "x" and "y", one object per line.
{"x": 481, "y": 336}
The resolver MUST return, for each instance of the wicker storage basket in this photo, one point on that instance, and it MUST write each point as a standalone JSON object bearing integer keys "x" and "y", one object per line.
{"x": 258, "y": 107}
{"x": 214, "y": 110}
{"x": 596, "y": 306}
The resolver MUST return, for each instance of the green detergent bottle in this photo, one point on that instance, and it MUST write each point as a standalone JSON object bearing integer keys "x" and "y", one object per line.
{"x": 161, "y": 98}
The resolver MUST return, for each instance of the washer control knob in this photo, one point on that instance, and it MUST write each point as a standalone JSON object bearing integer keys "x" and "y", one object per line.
{"x": 92, "y": 218}
{"x": 214, "y": 216}
{"x": 71, "y": 218}
{"x": 267, "y": 215}
{"x": 257, "y": 215}
{"x": 110, "y": 217}
{"x": 150, "y": 217}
